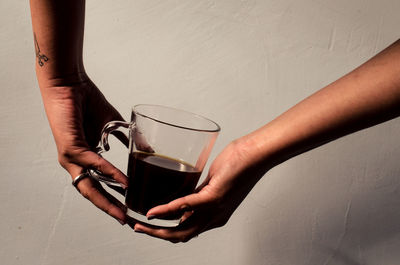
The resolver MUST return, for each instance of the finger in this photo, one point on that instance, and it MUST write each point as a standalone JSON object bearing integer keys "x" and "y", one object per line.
{"x": 188, "y": 203}
{"x": 91, "y": 189}
{"x": 111, "y": 198}
{"x": 89, "y": 159}
{"x": 172, "y": 235}
{"x": 94, "y": 192}
{"x": 203, "y": 184}
{"x": 118, "y": 189}
{"x": 122, "y": 137}
{"x": 197, "y": 223}
{"x": 131, "y": 222}
{"x": 185, "y": 216}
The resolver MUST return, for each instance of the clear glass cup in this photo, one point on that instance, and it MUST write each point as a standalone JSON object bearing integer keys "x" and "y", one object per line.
{"x": 168, "y": 149}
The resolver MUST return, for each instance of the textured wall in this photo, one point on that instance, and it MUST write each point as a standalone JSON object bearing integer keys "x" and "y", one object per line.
{"x": 240, "y": 63}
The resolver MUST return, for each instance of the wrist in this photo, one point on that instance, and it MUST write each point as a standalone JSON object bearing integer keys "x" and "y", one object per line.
{"x": 61, "y": 79}
{"x": 59, "y": 70}
{"x": 264, "y": 148}
{"x": 253, "y": 152}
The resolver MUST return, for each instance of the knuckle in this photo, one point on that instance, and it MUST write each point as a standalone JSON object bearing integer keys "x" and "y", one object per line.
{"x": 103, "y": 166}
{"x": 63, "y": 162}
{"x": 185, "y": 239}
{"x": 64, "y": 157}
{"x": 98, "y": 164}
{"x": 114, "y": 171}
{"x": 68, "y": 155}
{"x": 86, "y": 191}
{"x": 171, "y": 206}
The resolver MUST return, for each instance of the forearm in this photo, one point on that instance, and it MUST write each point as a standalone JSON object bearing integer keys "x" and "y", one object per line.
{"x": 58, "y": 34}
{"x": 365, "y": 97}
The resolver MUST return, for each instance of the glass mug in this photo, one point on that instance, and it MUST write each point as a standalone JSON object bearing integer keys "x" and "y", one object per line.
{"x": 168, "y": 149}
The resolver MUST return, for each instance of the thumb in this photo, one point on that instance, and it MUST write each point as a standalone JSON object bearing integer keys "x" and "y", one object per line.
{"x": 190, "y": 202}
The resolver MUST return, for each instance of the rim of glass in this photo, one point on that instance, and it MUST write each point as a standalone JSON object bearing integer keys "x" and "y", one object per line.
{"x": 217, "y": 127}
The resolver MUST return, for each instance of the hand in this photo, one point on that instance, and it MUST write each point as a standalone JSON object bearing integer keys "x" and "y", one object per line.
{"x": 231, "y": 177}
{"x": 77, "y": 112}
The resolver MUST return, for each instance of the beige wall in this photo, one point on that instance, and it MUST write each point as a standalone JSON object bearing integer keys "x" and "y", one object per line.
{"x": 240, "y": 63}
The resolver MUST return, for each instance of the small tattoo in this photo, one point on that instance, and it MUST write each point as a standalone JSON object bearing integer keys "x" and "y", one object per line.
{"x": 41, "y": 57}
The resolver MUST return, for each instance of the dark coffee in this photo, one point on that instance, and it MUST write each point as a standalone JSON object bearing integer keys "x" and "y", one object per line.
{"x": 155, "y": 180}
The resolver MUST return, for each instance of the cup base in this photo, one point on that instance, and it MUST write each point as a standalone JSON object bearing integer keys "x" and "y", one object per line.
{"x": 154, "y": 222}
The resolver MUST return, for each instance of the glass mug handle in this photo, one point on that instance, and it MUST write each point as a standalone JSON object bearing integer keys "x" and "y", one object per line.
{"x": 112, "y": 126}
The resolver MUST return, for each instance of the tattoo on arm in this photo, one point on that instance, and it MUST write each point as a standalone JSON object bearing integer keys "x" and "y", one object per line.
{"x": 40, "y": 56}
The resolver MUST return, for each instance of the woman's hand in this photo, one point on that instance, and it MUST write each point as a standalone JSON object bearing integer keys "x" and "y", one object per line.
{"x": 229, "y": 180}
{"x": 77, "y": 112}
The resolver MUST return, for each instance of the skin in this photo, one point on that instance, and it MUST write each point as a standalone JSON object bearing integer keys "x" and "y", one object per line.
{"x": 75, "y": 107}
{"x": 367, "y": 96}
{"x": 77, "y": 111}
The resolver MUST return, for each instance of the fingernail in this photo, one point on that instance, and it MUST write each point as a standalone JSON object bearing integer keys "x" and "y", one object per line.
{"x": 124, "y": 186}
{"x": 137, "y": 230}
{"x": 185, "y": 208}
{"x": 121, "y": 222}
{"x": 150, "y": 217}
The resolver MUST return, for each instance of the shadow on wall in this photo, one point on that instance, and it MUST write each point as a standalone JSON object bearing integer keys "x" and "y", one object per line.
{"x": 350, "y": 217}
{"x": 371, "y": 234}
{"x": 340, "y": 257}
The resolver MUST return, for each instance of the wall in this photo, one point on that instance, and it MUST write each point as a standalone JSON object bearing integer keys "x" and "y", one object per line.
{"x": 241, "y": 63}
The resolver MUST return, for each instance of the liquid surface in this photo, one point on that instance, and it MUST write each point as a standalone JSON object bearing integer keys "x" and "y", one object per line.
{"x": 155, "y": 180}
